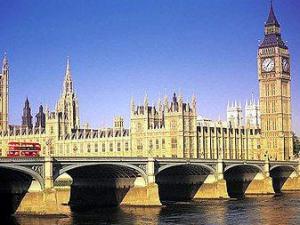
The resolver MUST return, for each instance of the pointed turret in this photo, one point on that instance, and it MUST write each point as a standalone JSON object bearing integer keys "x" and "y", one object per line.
{"x": 4, "y": 93}
{"x": 40, "y": 118}
{"x": 159, "y": 106}
{"x": 180, "y": 98}
{"x": 26, "y": 102}
{"x": 68, "y": 83}
{"x": 5, "y": 65}
{"x": 132, "y": 105}
{"x": 272, "y": 32}
{"x": 68, "y": 102}
{"x": 251, "y": 113}
{"x": 234, "y": 113}
{"x": 174, "y": 97}
{"x": 146, "y": 101}
{"x": 27, "y": 118}
{"x": 194, "y": 103}
{"x": 166, "y": 103}
{"x": 174, "y": 104}
{"x": 252, "y": 99}
{"x": 272, "y": 20}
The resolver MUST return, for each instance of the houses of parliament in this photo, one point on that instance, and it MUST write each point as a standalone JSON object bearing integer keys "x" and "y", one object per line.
{"x": 171, "y": 128}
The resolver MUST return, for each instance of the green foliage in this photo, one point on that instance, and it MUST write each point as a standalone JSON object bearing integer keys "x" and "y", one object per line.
{"x": 296, "y": 144}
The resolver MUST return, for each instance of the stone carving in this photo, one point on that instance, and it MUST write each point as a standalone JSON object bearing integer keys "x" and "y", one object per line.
{"x": 38, "y": 169}
{"x": 143, "y": 167}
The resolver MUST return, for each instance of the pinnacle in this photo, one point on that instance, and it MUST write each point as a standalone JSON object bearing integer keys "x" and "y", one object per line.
{"x": 272, "y": 20}
{"x": 5, "y": 59}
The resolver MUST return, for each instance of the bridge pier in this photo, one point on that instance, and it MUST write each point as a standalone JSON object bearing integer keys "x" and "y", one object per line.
{"x": 48, "y": 200}
{"x": 262, "y": 183}
{"x": 214, "y": 186}
{"x": 48, "y": 173}
{"x": 292, "y": 183}
{"x": 147, "y": 195}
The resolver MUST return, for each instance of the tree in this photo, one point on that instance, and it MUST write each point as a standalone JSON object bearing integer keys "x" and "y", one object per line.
{"x": 296, "y": 144}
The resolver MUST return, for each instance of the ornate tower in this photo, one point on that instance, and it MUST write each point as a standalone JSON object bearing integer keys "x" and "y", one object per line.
{"x": 68, "y": 104}
{"x": 234, "y": 114}
{"x": 4, "y": 77}
{"x": 275, "y": 92}
{"x": 40, "y": 118}
{"x": 252, "y": 114}
{"x": 27, "y": 118}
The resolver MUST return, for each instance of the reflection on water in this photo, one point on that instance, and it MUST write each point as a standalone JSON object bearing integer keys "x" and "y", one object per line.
{"x": 281, "y": 210}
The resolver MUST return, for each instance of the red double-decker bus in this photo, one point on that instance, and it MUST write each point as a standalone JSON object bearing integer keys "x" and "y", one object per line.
{"x": 23, "y": 149}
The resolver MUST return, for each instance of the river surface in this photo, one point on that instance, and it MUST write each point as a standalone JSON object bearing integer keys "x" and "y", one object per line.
{"x": 282, "y": 210}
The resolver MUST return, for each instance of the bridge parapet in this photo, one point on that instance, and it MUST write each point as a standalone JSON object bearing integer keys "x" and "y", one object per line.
{"x": 203, "y": 178}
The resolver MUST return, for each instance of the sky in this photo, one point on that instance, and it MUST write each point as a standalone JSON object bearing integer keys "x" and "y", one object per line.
{"x": 125, "y": 48}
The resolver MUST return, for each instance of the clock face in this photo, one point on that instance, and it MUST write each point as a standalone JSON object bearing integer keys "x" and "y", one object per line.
{"x": 268, "y": 64}
{"x": 285, "y": 65}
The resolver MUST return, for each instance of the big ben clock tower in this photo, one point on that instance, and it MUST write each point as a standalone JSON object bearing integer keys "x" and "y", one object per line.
{"x": 275, "y": 92}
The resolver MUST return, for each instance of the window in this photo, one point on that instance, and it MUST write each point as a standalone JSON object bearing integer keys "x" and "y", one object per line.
{"x": 163, "y": 143}
{"x": 174, "y": 143}
{"x": 103, "y": 147}
{"x": 173, "y": 124}
{"x": 139, "y": 145}
{"x": 96, "y": 147}
{"x": 111, "y": 147}
{"x": 119, "y": 146}
{"x": 157, "y": 144}
{"x": 273, "y": 89}
{"x": 126, "y": 146}
{"x": 150, "y": 144}
{"x": 139, "y": 127}
{"x": 88, "y": 148}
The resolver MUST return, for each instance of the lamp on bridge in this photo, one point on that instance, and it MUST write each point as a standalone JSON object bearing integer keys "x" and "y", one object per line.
{"x": 48, "y": 147}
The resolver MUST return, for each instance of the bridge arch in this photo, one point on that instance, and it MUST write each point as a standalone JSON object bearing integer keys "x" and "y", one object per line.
{"x": 15, "y": 182}
{"x": 132, "y": 170}
{"x": 181, "y": 181}
{"x": 204, "y": 167}
{"x": 283, "y": 168}
{"x": 245, "y": 167}
{"x": 26, "y": 171}
{"x": 102, "y": 183}
{"x": 239, "y": 177}
{"x": 281, "y": 175}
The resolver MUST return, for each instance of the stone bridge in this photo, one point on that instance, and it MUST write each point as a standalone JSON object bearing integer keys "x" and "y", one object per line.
{"x": 29, "y": 185}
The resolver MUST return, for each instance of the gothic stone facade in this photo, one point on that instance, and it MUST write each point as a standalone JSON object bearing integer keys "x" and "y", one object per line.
{"x": 170, "y": 128}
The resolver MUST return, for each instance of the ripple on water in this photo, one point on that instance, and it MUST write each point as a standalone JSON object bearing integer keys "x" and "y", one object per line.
{"x": 283, "y": 210}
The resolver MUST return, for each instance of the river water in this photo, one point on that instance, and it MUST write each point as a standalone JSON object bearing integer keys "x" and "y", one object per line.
{"x": 282, "y": 210}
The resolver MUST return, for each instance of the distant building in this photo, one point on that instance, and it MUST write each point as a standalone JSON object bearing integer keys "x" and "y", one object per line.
{"x": 234, "y": 114}
{"x": 252, "y": 113}
{"x": 27, "y": 117}
{"x": 40, "y": 118}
